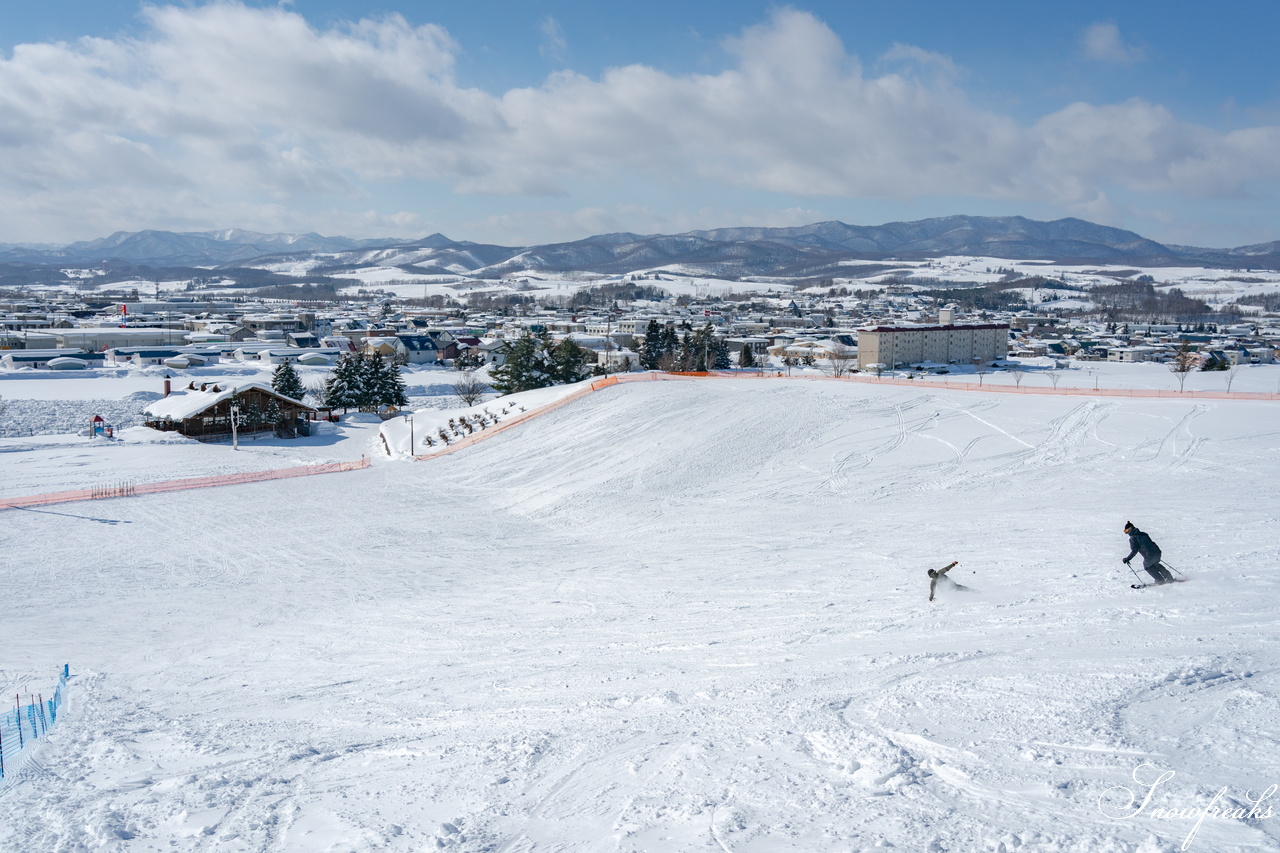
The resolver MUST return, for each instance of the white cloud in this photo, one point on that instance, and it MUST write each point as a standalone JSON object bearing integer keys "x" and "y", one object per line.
{"x": 229, "y": 115}
{"x": 554, "y": 46}
{"x": 911, "y": 56}
{"x": 1102, "y": 42}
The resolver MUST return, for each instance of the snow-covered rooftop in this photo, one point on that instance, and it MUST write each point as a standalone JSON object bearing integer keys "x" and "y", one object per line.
{"x": 185, "y": 404}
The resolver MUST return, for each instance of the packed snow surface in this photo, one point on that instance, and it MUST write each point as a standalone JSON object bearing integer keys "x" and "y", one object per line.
{"x": 680, "y": 615}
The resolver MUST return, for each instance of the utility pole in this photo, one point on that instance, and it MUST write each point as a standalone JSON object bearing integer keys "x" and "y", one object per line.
{"x": 235, "y": 420}
{"x": 608, "y": 339}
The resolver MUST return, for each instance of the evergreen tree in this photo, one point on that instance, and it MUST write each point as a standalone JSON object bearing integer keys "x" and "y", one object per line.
{"x": 704, "y": 348}
{"x": 468, "y": 359}
{"x": 525, "y": 367}
{"x": 569, "y": 362}
{"x": 396, "y": 392}
{"x": 342, "y": 387}
{"x": 381, "y": 384}
{"x": 368, "y": 376}
{"x": 251, "y": 413}
{"x": 746, "y": 358}
{"x": 385, "y": 385}
{"x": 685, "y": 357}
{"x": 670, "y": 346}
{"x": 286, "y": 383}
{"x": 722, "y": 360}
{"x": 651, "y": 348}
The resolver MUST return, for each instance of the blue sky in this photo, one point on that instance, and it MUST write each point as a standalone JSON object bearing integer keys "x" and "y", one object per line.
{"x": 520, "y": 122}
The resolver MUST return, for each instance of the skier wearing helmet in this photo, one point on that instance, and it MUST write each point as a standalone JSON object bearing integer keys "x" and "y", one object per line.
{"x": 936, "y": 575}
{"x": 1141, "y": 543}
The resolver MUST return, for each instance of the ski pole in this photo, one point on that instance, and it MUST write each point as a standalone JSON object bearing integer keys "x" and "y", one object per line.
{"x": 1130, "y": 568}
{"x": 1169, "y": 566}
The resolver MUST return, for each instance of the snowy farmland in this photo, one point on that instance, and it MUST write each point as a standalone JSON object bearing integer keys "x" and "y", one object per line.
{"x": 685, "y": 615}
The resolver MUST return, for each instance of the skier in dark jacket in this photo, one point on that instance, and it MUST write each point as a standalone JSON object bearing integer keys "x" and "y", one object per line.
{"x": 1141, "y": 543}
{"x": 936, "y": 575}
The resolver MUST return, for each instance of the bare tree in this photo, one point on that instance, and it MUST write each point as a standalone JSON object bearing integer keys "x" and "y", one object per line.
{"x": 1019, "y": 373}
{"x": 1054, "y": 377}
{"x": 1185, "y": 359}
{"x": 841, "y": 360}
{"x": 981, "y": 368}
{"x": 1230, "y": 378}
{"x": 470, "y": 389}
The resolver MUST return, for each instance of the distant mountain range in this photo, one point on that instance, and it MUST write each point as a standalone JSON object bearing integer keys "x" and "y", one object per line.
{"x": 167, "y": 248}
{"x": 810, "y": 250}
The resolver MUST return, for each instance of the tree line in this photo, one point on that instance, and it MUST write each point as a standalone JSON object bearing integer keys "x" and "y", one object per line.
{"x": 363, "y": 382}
{"x": 666, "y": 348}
{"x": 537, "y": 361}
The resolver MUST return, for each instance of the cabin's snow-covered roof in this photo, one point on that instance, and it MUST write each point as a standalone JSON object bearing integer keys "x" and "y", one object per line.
{"x": 186, "y": 404}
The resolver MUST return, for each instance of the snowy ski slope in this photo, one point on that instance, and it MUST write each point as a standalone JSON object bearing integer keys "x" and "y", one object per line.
{"x": 674, "y": 616}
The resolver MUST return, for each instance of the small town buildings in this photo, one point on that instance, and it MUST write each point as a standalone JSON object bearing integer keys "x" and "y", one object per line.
{"x": 302, "y": 339}
{"x": 162, "y": 355}
{"x": 618, "y": 360}
{"x": 404, "y": 349}
{"x": 114, "y": 337}
{"x": 1136, "y": 354}
{"x": 493, "y": 352}
{"x": 40, "y": 359}
{"x": 68, "y": 362}
{"x": 759, "y": 346}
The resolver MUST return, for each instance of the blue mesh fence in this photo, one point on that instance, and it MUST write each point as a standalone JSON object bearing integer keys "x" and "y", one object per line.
{"x": 26, "y": 723}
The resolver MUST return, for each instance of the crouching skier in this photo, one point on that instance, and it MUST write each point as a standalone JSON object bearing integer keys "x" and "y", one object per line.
{"x": 936, "y": 575}
{"x": 1141, "y": 543}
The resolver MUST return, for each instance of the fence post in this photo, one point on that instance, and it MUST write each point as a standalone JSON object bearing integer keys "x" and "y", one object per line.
{"x": 17, "y": 718}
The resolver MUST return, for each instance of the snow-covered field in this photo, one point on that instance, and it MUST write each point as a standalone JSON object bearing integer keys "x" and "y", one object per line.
{"x": 391, "y": 274}
{"x": 685, "y": 615}
{"x": 1202, "y": 282}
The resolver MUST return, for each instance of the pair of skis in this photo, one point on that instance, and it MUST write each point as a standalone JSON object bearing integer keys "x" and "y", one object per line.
{"x": 1167, "y": 567}
{"x": 1153, "y": 583}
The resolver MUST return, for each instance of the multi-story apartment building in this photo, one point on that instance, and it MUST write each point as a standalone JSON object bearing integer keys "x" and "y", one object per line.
{"x": 942, "y": 344}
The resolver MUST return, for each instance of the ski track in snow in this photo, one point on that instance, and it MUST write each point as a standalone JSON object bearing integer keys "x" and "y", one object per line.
{"x": 668, "y": 616}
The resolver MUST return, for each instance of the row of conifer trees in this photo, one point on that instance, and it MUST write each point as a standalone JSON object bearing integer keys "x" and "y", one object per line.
{"x": 357, "y": 381}
{"x": 360, "y": 381}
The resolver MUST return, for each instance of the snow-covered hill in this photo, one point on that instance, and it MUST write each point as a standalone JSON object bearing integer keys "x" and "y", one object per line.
{"x": 674, "y": 616}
